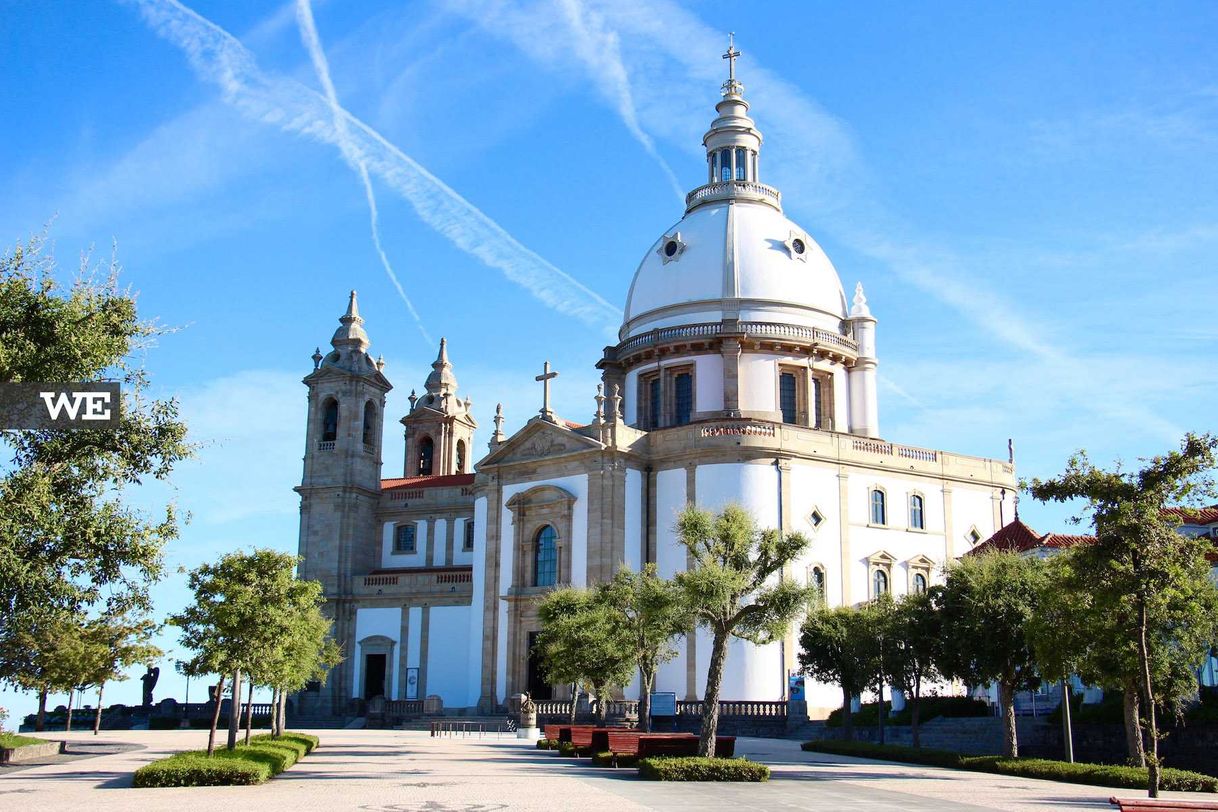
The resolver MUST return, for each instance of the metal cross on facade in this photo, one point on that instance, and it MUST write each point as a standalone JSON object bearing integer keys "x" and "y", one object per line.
{"x": 545, "y": 379}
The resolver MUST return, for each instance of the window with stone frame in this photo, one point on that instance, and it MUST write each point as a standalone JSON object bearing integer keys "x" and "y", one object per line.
{"x": 680, "y": 385}
{"x": 878, "y": 507}
{"x": 879, "y": 571}
{"x": 369, "y": 424}
{"x": 427, "y": 453}
{"x": 917, "y": 512}
{"x": 467, "y": 543}
{"x": 816, "y": 578}
{"x": 822, "y": 401}
{"x": 545, "y": 557}
{"x": 793, "y": 394}
{"x": 879, "y": 584}
{"x": 651, "y": 401}
{"x": 405, "y": 538}
{"x": 329, "y": 421}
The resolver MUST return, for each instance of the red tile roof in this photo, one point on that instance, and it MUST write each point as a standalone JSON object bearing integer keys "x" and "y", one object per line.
{"x": 445, "y": 481}
{"x": 1196, "y": 516}
{"x": 1018, "y": 537}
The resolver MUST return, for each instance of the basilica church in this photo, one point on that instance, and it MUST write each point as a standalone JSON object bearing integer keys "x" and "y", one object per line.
{"x": 742, "y": 374}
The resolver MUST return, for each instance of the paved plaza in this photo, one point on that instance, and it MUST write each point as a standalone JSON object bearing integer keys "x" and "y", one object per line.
{"x": 405, "y": 771}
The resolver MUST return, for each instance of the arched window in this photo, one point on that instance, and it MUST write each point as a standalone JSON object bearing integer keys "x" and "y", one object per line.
{"x": 460, "y": 456}
{"x": 919, "y": 583}
{"x": 917, "y": 518}
{"x": 329, "y": 421}
{"x": 879, "y": 583}
{"x": 817, "y": 579}
{"x": 879, "y": 512}
{"x": 741, "y": 166}
{"x": 369, "y": 423}
{"x": 427, "y": 450}
{"x": 725, "y": 164}
{"x": 545, "y": 557}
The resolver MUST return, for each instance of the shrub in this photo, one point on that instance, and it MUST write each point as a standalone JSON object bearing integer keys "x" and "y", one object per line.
{"x": 696, "y": 768}
{"x": 1102, "y": 775}
{"x": 568, "y": 749}
{"x": 547, "y": 744}
{"x": 607, "y": 759}
{"x": 264, "y": 757}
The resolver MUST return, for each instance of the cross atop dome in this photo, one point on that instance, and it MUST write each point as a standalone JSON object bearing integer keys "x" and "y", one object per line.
{"x": 732, "y": 87}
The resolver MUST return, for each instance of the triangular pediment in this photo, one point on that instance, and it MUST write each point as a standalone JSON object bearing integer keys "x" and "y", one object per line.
{"x": 539, "y": 440}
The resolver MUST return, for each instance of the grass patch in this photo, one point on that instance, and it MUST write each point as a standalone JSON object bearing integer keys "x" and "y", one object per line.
{"x": 1100, "y": 775}
{"x": 11, "y": 741}
{"x": 697, "y": 768}
{"x": 263, "y": 758}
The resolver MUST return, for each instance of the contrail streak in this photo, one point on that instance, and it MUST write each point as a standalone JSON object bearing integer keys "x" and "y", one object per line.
{"x": 600, "y": 49}
{"x": 312, "y": 43}
{"x": 220, "y": 58}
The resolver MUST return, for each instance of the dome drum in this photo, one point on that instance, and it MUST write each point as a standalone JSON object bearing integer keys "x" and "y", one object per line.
{"x": 752, "y": 335}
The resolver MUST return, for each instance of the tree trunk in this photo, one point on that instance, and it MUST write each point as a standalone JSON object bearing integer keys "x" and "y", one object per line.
{"x": 647, "y": 681}
{"x": 710, "y": 700}
{"x": 215, "y": 719}
{"x": 1148, "y": 697}
{"x": 1133, "y": 728}
{"x": 599, "y": 691}
{"x": 1067, "y": 727}
{"x": 249, "y": 713}
{"x": 234, "y": 711}
{"x": 913, "y": 714}
{"x": 68, "y": 724}
{"x": 97, "y": 716}
{"x": 574, "y": 700}
{"x": 283, "y": 712}
{"x": 274, "y": 712}
{"x": 1010, "y": 737}
{"x": 40, "y": 721}
{"x": 847, "y": 716}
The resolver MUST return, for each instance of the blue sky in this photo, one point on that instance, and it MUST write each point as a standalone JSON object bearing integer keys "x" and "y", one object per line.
{"x": 1029, "y": 193}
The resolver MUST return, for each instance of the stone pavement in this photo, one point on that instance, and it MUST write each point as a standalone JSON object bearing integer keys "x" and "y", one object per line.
{"x": 407, "y": 771}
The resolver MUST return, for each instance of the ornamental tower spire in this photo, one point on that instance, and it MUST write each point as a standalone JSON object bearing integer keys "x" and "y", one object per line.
{"x": 733, "y": 144}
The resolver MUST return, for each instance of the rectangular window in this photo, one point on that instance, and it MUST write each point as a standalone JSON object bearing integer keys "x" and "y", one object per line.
{"x": 788, "y": 396}
{"x": 404, "y": 539}
{"x": 468, "y": 544}
{"x": 654, "y": 403}
{"x": 683, "y": 398}
{"x": 818, "y": 407}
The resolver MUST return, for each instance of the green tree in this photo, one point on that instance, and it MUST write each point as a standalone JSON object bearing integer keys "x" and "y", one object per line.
{"x": 49, "y": 643}
{"x": 116, "y": 642}
{"x": 68, "y": 543}
{"x": 1151, "y": 581}
{"x": 736, "y": 587}
{"x": 582, "y": 643}
{"x": 839, "y": 646}
{"x": 913, "y": 633}
{"x": 653, "y": 613}
{"x": 242, "y": 613}
{"x": 986, "y": 606}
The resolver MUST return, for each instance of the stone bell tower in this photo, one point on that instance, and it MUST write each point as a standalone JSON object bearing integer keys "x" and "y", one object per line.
{"x": 342, "y": 460}
{"x": 440, "y": 427}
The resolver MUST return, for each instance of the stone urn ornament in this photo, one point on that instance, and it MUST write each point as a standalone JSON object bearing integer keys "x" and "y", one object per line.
{"x": 527, "y": 729}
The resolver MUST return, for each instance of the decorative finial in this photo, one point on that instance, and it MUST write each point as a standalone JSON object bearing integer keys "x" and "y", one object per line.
{"x": 600, "y": 404}
{"x": 497, "y": 436}
{"x": 469, "y": 404}
{"x": 380, "y": 363}
{"x": 732, "y": 87}
{"x": 860, "y": 302}
{"x": 353, "y": 306}
{"x": 615, "y": 403}
{"x": 545, "y": 377}
{"x": 317, "y": 356}
{"x": 413, "y": 399}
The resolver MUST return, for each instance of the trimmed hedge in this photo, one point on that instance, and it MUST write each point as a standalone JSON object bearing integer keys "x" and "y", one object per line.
{"x": 547, "y": 744}
{"x": 254, "y": 763}
{"x": 571, "y": 751}
{"x": 1101, "y": 775}
{"x": 608, "y": 759}
{"x": 697, "y": 768}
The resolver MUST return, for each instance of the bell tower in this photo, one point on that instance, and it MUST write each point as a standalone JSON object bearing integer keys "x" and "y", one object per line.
{"x": 342, "y": 461}
{"x": 440, "y": 427}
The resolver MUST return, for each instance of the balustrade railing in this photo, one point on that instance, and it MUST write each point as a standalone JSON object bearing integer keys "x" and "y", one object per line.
{"x": 767, "y": 710}
{"x": 812, "y": 335}
{"x": 923, "y": 454}
{"x": 553, "y": 707}
{"x": 325, "y": 445}
{"x": 380, "y": 580}
{"x": 403, "y": 707}
{"x": 454, "y": 577}
{"x": 722, "y": 190}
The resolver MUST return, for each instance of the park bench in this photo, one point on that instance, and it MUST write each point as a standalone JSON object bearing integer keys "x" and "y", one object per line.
{"x": 595, "y": 739}
{"x": 634, "y": 743}
{"x": 562, "y": 733}
{"x": 1159, "y": 804}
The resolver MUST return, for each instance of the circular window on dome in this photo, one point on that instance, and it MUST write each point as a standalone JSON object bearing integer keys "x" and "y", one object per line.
{"x": 671, "y": 247}
{"x": 797, "y": 245}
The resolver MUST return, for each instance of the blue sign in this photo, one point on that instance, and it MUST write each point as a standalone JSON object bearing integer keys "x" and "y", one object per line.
{"x": 664, "y": 703}
{"x": 795, "y": 687}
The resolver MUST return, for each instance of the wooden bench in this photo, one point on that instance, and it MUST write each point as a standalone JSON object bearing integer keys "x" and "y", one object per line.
{"x": 562, "y": 733}
{"x": 1160, "y": 804}
{"x": 634, "y": 743}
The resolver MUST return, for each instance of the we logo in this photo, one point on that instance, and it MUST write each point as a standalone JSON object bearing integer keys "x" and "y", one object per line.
{"x": 59, "y": 405}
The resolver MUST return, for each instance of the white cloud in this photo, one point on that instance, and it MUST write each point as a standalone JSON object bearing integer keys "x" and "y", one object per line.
{"x": 220, "y": 58}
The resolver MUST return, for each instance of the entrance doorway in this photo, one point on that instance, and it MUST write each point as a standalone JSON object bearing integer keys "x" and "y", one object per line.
{"x": 538, "y": 687}
{"x": 374, "y": 675}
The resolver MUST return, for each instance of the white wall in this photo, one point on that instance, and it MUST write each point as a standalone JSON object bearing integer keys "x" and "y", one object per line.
{"x": 670, "y": 559}
{"x": 758, "y": 383}
{"x": 635, "y": 532}
{"x": 369, "y": 622}
{"x": 816, "y": 488}
{"x": 461, "y": 556}
{"x": 448, "y": 664}
{"x": 438, "y": 542}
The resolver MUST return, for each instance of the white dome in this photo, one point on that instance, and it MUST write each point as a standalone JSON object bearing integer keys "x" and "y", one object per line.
{"x": 738, "y": 260}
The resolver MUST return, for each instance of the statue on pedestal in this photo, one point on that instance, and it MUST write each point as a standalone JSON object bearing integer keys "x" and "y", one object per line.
{"x": 149, "y": 679}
